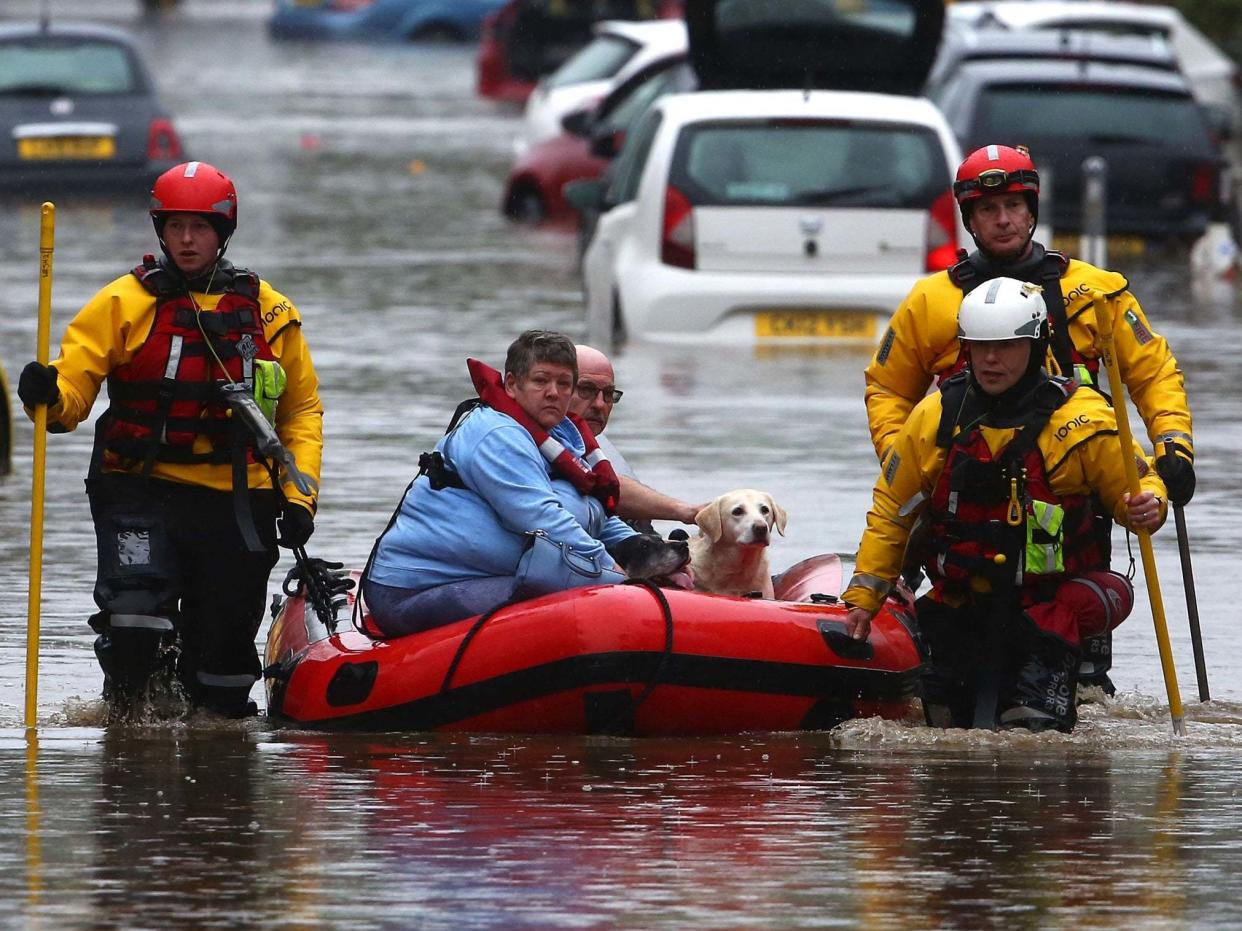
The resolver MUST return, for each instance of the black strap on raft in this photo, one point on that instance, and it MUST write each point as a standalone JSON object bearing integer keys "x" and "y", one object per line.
{"x": 656, "y": 677}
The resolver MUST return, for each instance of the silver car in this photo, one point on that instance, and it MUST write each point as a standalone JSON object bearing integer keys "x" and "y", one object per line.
{"x": 78, "y": 109}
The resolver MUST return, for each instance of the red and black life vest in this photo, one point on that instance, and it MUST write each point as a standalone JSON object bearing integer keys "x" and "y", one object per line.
{"x": 983, "y": 507}
{"x": 167, "y": 395}
{"x": 1045, "y": 268}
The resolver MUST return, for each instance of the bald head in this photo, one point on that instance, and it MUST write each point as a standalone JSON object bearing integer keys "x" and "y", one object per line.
{"x": 594, "y": 371}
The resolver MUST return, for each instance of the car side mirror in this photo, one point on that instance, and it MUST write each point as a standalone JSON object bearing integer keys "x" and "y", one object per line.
{"x": 577, "y": 123}
{"x": 587, "y": 195}
{"x": 607, "y": 143}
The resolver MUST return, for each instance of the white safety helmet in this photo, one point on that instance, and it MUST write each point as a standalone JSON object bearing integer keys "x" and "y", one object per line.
{"x": 1003, "y": 308}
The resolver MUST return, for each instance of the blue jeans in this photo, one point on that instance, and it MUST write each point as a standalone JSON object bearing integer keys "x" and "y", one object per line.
{"x": 400, "y": 611}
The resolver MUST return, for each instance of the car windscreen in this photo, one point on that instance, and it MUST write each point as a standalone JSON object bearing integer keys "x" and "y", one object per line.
{"x": 810, "y": 163}
{"x": 65, "y": 66}
{"x": 1091, "y": 113}
{"x": 600, "y": 60}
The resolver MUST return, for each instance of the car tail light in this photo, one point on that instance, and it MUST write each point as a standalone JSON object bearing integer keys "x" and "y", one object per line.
{"x": 348, "y": 6}
{"x": 1203, "y": 184}
{"x": 677, "y": 243}
{"x": 941, "y": 233}
{"x": 162, "y": 142}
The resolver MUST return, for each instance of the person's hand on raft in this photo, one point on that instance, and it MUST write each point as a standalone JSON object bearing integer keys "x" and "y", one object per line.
{"x": 858, "y": 623}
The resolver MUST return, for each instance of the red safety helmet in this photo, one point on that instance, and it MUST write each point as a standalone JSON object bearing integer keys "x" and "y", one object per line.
{"x": 996, "y": 169}
{"x": 196, "y": 187}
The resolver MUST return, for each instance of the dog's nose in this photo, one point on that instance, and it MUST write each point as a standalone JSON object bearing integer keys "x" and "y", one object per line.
{"x": 761, "y": 530}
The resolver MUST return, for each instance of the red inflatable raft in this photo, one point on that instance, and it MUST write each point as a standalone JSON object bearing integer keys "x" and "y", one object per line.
{"x": 625, "y": 659}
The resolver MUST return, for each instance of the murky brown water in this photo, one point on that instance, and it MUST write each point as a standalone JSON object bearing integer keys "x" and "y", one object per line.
{"x": 369, "y": 181}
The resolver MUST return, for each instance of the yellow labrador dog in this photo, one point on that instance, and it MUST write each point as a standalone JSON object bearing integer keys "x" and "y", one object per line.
{"x": 730, "y": 553}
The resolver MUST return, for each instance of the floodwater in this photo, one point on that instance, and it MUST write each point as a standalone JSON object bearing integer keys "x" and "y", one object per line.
{"x": 369, "y": 180}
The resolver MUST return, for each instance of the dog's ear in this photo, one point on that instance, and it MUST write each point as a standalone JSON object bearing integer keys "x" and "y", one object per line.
{"x": 708, "y": 520}
{"x": 779, "y": 513}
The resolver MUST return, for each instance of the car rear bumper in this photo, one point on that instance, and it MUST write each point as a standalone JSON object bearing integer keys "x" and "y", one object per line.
{"x": 669, "y": 304}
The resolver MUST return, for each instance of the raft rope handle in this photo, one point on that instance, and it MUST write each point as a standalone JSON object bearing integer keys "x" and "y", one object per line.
{"x": 665, "y": 609}
{"x": 465, "y": 642}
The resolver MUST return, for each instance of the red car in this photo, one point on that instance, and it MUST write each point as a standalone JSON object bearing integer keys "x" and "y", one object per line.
{"x": 526, "y": 39}
{"x": 534, "y": 192}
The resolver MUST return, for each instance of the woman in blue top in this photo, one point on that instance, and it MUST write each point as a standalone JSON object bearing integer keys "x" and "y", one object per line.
{"x": 513, "y": 464}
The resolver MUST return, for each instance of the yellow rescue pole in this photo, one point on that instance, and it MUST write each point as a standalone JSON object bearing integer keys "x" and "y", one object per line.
{"x": 1104, "y": 324}
{"x": 47, "y": 239}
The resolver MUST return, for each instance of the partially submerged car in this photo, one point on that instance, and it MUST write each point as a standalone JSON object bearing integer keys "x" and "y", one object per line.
{"x": 381, "y": 20}
{"x": 589, "y": 139}
{"x": 1167, "y": 177}
{"x": 1212, "y": 75}
{"x": 618, "y": 51}
{"x": 527, "y": 39}
{"x": 779, "y": 215}
{"x": 79, "y": 109}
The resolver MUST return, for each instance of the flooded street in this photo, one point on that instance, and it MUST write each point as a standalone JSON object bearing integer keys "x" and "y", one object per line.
{"x": 369, "y": 183}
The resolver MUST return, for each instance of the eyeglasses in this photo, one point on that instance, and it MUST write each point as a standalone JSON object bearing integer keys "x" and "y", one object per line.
{"x": 587, "y": 392}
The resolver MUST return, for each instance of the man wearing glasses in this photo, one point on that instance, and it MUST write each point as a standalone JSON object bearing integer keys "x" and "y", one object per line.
{"x": 997, "y": 191}
{"x": 594, "y": 396}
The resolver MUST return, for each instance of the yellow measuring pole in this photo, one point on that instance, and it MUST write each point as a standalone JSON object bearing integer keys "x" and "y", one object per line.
{"x": 47, "y": 239}
{"x": 1104, "y": 325}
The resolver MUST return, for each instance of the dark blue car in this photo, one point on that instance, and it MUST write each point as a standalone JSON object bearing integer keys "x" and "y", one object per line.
{"x": 381, "y": 20}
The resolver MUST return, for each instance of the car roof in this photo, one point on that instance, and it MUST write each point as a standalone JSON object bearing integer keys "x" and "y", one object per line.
{"x": 1079, "y": 72}
{"x": 859, "y": 105}
{"x": 657, "y": 33}
{"x": 64, "y": 29}
{"x": 1026, "y": 13}
{"x": 1151, "y": 51}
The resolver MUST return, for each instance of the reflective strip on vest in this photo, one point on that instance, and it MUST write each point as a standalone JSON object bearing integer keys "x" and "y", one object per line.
{"x": 140, "y": 621}
{"x": 170, "y": 372}
{"x": 1044, "y": 558}
{"x": 908, "y": 508}
{"x": 1082, "y": 374}
{"x": 226, "y": 682}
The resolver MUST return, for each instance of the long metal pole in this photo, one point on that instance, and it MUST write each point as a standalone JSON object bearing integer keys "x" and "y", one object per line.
{"x": 1104, "y": 325}
{"x": 1192, "y": 602}
{"x": 47, "y": 239}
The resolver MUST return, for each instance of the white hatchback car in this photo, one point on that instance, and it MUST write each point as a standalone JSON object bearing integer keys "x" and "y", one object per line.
{"x": 620, "y": 49}
{"x": 772, "y": 216}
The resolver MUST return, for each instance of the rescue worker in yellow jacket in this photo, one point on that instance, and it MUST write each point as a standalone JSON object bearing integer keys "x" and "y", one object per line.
{"x": 997, "y": 189}
{"x": 998, "y": 463}
{"x": 208, "y": 376}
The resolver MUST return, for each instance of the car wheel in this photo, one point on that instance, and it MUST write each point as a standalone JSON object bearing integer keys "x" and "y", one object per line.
{"x": 437, "y": 32}
{"x": 525, "y": 206}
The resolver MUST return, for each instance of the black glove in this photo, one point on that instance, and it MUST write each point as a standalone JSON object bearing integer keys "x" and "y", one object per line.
{"x": 296, "y": 526}
{"x": 37, "y": 385}
{"x": 1178, "y": 473}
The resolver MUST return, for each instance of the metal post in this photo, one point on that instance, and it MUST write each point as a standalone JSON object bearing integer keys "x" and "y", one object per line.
{"x": 1093, "y": 247}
